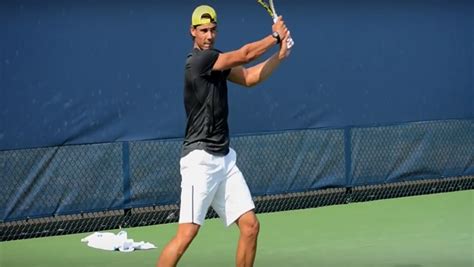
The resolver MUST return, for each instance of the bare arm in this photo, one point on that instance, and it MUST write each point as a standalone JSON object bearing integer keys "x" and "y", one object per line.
{"x": 254, "y": 75}
{"x": 244, "y": 55}
{"x": 250, "y": 52}
{"x": 249, "y": 77}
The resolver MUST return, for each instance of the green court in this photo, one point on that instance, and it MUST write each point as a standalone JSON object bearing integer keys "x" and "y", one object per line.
{"x": 422, "y": 231}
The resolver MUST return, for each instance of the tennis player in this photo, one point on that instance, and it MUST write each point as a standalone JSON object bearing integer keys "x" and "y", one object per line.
{"x": 210, "y": 176}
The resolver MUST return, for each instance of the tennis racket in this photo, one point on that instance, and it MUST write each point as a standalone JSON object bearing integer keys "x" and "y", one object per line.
{"x": 270, "y": 8}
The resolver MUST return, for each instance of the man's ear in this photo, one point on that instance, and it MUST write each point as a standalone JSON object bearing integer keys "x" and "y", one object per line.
{"x": 192, "y": 31}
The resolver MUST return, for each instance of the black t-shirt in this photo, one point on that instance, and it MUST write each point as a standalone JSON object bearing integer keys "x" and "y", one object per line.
{"x": 205, "y": 101}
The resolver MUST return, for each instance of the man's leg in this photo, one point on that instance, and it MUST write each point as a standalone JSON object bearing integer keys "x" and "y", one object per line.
{"x": 177, "y": 246}
{"x": 199, "y": 184}
{"x": 247, "y": 247}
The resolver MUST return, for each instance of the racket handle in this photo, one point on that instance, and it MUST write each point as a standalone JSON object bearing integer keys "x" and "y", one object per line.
{"x": 289, "y": 42}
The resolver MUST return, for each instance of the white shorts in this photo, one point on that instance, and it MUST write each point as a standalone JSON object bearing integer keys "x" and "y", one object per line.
{"x": 216, "y": 181}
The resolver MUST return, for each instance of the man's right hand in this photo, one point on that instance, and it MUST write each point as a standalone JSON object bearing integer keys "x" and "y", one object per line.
{"x": 280, "y": 27}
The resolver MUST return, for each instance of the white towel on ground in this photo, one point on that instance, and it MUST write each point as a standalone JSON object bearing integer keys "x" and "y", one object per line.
{"x": 111, "y": 242}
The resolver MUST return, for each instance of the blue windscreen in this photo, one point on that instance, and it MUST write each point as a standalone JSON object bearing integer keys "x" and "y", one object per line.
{"x": 76, "y": 72}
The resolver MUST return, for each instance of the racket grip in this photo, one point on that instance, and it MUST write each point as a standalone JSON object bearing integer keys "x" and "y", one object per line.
{"x": 289, "y": 42}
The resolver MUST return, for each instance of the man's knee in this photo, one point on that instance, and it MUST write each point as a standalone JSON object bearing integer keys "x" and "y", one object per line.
{"x": 250, "y": 227}
{"x": 186, "y": 233}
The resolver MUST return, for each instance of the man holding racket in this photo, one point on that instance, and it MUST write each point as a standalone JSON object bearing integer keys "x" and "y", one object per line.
{"x": 210, "y": 176}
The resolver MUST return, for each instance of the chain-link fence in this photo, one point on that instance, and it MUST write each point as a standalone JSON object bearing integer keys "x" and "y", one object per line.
{"x": 83, "y": 188}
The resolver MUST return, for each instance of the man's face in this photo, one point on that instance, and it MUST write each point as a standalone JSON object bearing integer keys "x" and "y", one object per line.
{"x": 204, "y": 35}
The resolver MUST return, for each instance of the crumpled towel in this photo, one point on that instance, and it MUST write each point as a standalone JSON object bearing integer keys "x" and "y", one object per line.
{"x": 111, "y": 242}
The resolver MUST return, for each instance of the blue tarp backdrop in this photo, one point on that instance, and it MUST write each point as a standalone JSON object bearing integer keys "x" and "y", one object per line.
{"x": 91, "y": 99}
{"x": 74, "y": 72}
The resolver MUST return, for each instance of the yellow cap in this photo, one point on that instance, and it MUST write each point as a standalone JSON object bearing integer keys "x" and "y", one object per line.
{"x": 203, "y": 14}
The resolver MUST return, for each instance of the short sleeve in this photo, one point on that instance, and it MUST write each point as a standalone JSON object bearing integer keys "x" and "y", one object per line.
{"x": 203, "y": 62}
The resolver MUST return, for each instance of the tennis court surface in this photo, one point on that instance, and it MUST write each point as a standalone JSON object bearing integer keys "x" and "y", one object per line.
{"x": 421, "y": 231}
